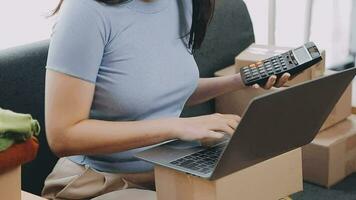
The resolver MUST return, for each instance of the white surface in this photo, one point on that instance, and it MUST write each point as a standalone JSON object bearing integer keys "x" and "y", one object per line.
{"x": 308, "y": 20}
{"x": 24, "y": 22}
{"x": 353, "y": 27}
{"x": 330, "y": 26}
{"x": 272, "y": 22}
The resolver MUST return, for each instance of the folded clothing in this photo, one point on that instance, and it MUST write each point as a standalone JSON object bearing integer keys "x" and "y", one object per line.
{"x": 18, "y": 154}
{"x": 16, "y": 127}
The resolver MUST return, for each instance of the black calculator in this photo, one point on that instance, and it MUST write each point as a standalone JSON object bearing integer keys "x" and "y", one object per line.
{"x": 293, "y": 62}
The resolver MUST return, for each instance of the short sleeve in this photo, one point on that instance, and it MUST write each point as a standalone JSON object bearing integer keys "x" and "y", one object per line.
{"x": 78, "y": 41}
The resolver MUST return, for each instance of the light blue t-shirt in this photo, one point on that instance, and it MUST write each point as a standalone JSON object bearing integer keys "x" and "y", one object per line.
{"x": 135, "y": 55}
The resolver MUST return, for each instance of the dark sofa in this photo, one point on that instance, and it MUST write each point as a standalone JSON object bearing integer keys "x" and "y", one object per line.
{"x": 22, "y": 77}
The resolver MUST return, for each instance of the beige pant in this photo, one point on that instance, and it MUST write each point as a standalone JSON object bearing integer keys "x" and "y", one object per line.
{"x": 69, "y": 180}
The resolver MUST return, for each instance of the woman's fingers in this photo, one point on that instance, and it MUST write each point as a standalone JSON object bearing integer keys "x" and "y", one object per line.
{"x": 233, "y": 117}
{"x": 232, "y": 120}
{"x": 270, "y": 83}
{"x": 214, "y": 135}
{"x": 283, "y": 80}
{"x": 224, "y": 127}
{"x": 256, "y": 86}
{"x": 227, "y": 123}
{"x": 274, "y": 81}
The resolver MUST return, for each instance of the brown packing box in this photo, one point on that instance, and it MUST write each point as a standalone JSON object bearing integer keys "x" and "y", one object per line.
{"x": 354, "y": 99}
{"x": 257, "y": 52}
{"x": 237, "y": 102}
{"x": 332, "y": 154}
{"x": 272, "y": 179}
{"x": 10, "y": 184}
{"x": 341, "y": 111}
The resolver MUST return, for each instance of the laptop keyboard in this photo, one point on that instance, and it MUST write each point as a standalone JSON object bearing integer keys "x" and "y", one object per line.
{"x": 202, "y": 161}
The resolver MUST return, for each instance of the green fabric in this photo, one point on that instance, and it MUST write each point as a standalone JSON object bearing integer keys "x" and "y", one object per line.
{"x": 16, "y": 127}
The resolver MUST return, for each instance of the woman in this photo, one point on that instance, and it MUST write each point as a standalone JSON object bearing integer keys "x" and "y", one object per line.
{"x": 118, "y": 77}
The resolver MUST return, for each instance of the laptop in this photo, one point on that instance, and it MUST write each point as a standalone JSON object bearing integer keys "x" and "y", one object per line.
{"x": 272, "y": 124}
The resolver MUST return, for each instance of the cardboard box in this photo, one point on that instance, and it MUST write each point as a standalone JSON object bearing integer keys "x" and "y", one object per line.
{"x": 237, "y": 102}
{"x": 341, "y": 111}
{"x": 353, "y": 97}
{"x": 332, "y": 154}
{"x": 272, "y": 179}
{"x": 257, "y": 52}
{"x": 10, "y": 184}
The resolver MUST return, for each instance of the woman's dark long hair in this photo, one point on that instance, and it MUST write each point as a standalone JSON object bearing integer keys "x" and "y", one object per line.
{"x": 203, "y": 11}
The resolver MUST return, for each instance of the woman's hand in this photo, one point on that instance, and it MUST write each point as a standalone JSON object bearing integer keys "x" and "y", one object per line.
{"x": 204, "y": 127}
{"x": 273, "y": 82}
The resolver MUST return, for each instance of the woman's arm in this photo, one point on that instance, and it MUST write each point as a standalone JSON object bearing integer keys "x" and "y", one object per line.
{"x": 70, "y": 132}
{"x": 209, "y": 88}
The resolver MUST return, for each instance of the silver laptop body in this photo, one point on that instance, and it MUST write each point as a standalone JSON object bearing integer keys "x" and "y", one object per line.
{"x": 272, "y": 124}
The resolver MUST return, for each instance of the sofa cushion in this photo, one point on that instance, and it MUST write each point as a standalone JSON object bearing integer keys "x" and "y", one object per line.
{"x": 22, "y": 80}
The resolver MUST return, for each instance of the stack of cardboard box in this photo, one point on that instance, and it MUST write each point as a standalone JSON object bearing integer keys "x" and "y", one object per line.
{"x": 331, "y": 156}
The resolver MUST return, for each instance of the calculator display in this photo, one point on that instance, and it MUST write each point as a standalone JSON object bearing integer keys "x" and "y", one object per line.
{"x": 302, "y": 55}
